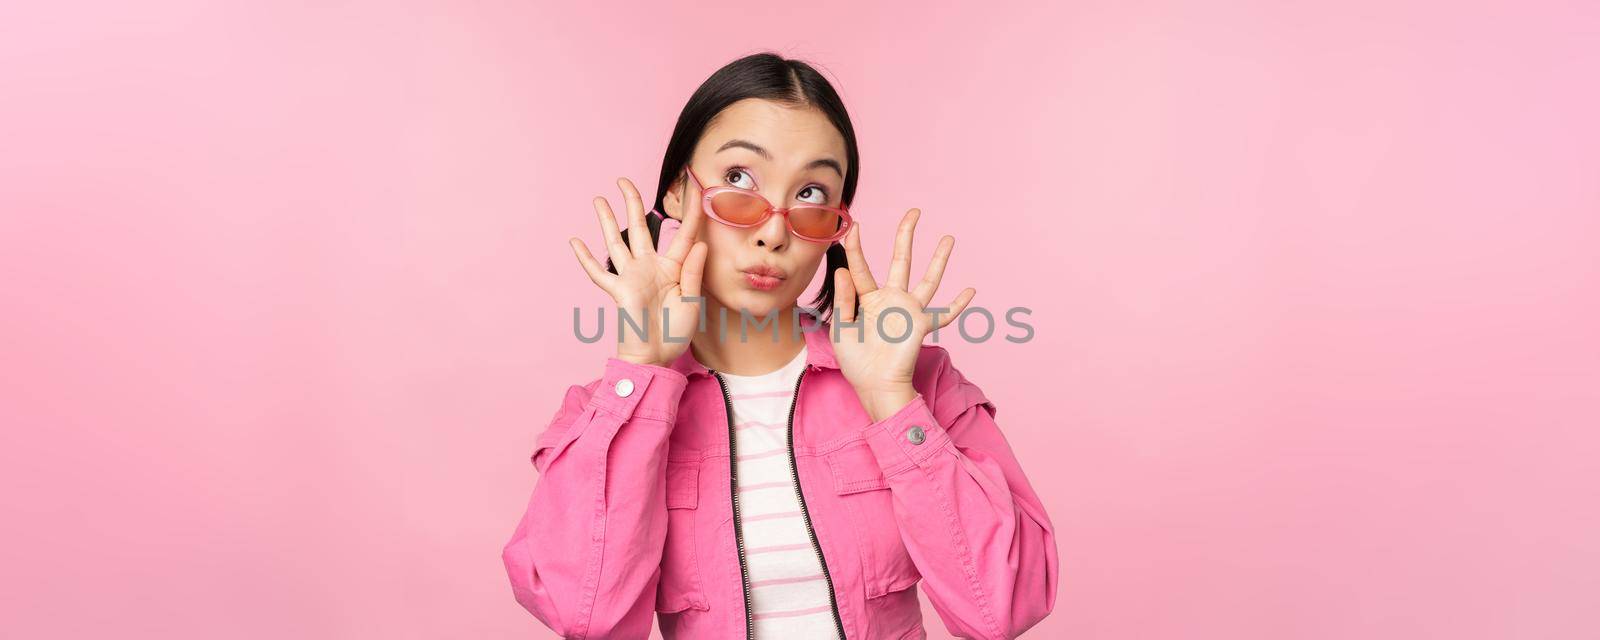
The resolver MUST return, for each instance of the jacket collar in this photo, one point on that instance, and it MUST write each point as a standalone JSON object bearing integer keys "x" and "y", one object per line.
{"x": 819, "y": 349}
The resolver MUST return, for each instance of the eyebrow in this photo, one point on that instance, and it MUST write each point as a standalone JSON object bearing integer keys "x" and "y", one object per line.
{"x": 746, "y": 144}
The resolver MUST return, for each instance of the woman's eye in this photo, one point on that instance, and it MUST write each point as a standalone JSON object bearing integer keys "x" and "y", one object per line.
{"x": 732, "y": 178}
{"x": 820, "y": 196}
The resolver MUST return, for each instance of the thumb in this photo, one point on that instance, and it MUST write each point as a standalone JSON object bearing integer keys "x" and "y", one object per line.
{"x": 693, "y": 270}
{"x": 844, "y": 294}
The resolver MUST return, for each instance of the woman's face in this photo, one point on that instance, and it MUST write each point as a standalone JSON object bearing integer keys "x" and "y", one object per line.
{"x": 791, "y": 156}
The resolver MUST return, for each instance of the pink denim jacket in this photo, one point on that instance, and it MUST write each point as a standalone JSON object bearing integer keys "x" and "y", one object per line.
{"x": 633, "y": 512}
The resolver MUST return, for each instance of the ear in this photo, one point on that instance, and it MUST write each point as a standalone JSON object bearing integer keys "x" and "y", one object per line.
{"x": 673, "y": 201}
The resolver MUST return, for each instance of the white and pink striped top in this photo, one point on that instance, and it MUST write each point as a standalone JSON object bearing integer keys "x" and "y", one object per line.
{"x": 788, "y": 593}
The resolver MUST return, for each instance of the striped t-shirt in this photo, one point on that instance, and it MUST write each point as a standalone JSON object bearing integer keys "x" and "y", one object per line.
{"x": 788, "y": 593}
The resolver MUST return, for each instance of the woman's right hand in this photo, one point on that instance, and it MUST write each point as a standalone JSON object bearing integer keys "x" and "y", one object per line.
{"x": 649, "y": 286}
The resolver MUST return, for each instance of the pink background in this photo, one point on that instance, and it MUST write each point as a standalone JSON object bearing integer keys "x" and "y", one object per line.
{"x": 1316, "y": 291}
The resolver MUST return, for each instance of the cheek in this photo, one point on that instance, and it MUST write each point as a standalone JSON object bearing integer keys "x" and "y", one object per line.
{"x": 814, "y": 256}
{"x": 722, "y": 244}
{"x": 722, "y": 275}
{"x": 807, "y": 261}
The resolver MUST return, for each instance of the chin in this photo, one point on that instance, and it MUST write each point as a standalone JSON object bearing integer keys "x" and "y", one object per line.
{"x": 758, "y": 303}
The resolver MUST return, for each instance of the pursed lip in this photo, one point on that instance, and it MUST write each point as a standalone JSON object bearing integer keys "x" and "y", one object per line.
{"x": 764, "y": 270}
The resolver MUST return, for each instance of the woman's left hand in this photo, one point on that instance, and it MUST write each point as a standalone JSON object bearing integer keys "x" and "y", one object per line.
{"x": 879, "y": 358}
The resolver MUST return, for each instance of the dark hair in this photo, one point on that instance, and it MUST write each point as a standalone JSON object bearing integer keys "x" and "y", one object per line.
{"x": 766, "y": 76}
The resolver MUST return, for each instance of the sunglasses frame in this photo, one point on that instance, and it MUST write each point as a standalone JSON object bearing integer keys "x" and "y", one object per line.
{"x": 708, "y": 194}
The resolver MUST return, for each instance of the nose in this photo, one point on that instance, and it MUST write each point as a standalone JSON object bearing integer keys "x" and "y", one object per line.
{"x": 773, "y": 234}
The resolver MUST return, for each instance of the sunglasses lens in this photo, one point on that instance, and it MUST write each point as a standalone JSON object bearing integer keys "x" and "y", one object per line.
{"x": 815, "y": 222}
{"x": 738, "y": 208}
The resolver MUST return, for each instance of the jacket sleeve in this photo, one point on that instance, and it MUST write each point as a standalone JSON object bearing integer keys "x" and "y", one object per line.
{"x": 971, "y": 522}
{"x": 585, "y": 558}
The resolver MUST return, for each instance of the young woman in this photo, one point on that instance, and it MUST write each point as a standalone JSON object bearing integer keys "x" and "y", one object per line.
{"x": 742, "y": 470}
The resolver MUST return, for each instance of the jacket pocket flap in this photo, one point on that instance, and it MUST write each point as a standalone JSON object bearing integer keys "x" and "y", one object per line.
{"x": 855, "y": 469}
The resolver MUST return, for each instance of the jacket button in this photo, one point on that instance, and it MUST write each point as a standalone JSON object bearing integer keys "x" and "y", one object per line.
{"x": 916, "y": 435}
{"x": 624, "y": 387}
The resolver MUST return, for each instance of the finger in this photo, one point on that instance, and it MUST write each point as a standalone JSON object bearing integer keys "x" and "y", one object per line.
{"x": 930, "y": 280}
{"x": 900, "y": 264}
{"x": 957, "y": 306}
{"x": 860, "y": 274}
{"x": 638, "y": 241}
{"x": 597, "y": 272}
{"x": 693, "y": 217}
{"x": 615, "y": 247}
{"x": 844, "y": 295}
{"x": 694, "y": 268}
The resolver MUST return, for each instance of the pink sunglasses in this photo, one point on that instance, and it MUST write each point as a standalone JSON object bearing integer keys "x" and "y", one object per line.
{"x": 744, "y": 208}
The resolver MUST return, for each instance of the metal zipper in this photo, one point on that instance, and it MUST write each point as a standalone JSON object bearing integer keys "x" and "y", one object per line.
{"x": 733, "y": 482}
{"x": 805, "y": 514}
